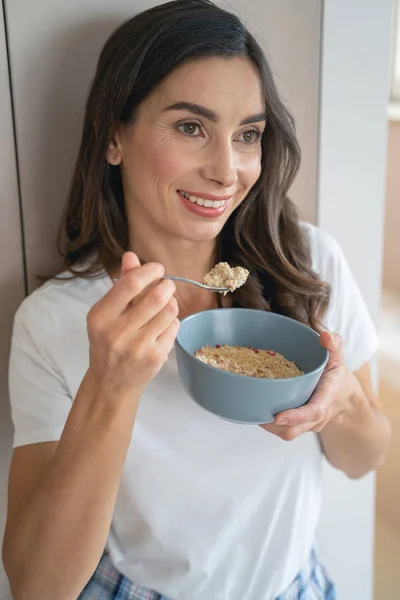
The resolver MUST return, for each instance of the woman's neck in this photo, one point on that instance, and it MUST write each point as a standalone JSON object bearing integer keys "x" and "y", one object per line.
{"x": 181, "y": 258}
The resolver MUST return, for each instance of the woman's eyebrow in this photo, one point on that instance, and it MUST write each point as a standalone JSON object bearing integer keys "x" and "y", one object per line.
{"x": 211, "y": 115}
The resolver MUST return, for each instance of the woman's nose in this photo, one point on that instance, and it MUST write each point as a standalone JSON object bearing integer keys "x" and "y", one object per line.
{"x": 221, "y": 165}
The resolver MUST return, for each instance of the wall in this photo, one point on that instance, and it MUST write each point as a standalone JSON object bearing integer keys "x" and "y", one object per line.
{"x": 351, "y": 190}
{"x": 290, "y": 34}
{"x": 12, "y": 287}
{"x": 391, "y": 252}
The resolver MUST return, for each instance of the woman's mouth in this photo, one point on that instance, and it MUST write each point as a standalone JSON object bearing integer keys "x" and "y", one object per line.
{"x": 205, "y": 205}
{"x": 206, "y": 201}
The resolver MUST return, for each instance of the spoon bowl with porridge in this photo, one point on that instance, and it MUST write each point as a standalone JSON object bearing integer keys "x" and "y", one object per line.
{"x": 247, "y": 365}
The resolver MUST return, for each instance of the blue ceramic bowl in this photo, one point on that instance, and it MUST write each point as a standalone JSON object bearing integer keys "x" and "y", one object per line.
{"x": 239, "y": 398}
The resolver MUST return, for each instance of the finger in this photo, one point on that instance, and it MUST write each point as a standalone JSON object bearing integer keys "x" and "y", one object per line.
{"x": 166, "y": 340}
{"x": 311, "y": 413}
{"x": 156, "y": 327}
{"x": 161, "y": 320}
{"x": 135, "y": 282}
{"x": 334, "y": 343}
{"x": 127, "y": 289}
{"x": 130, "y": 261}
{"x": 287, "y": 434}
{"x": 291, "y": 417}
{"x": 330, "y": 341}
{"x": 151, "y": 310}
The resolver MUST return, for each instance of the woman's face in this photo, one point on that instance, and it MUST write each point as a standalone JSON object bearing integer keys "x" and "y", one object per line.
{"x": 194, "y": 151}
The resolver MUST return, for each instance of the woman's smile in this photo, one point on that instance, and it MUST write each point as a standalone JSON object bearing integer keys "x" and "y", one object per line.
{"x": 203, "y": 205}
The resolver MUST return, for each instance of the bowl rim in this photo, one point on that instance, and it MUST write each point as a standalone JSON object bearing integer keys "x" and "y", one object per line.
{"x": 244, "y": 377}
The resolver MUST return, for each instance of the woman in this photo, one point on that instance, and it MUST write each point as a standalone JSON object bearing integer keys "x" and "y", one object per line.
{"x": 186, "y": 157}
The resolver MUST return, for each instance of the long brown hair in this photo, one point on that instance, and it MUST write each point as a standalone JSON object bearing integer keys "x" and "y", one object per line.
{"x": 263, "y": 234}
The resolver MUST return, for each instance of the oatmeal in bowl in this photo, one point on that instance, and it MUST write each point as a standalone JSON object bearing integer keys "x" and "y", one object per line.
{"x": 250, "y": 362}
{"x": 246, "y": 365}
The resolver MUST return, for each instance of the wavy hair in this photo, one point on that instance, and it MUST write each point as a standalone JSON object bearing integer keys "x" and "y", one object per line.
{"x": 263, "y": 234}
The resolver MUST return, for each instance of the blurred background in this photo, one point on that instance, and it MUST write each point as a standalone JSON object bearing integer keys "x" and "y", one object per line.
{"x": 337, "y": 65}
{"x": 387, "y": 544}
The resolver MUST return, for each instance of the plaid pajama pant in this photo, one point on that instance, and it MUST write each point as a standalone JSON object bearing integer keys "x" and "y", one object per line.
{"x": 312, "y": 583}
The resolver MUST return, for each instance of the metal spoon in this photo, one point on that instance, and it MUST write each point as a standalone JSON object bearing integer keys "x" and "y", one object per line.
{"x": 222, "y": 290}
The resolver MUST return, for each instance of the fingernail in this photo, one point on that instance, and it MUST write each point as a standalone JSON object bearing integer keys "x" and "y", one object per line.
{"x": 282, "y": 421}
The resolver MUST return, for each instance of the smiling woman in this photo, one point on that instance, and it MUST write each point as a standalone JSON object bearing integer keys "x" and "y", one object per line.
{"x": 192, "y": 156}
{"x": 191, "y": 107}
{"x": 120, "y": 486}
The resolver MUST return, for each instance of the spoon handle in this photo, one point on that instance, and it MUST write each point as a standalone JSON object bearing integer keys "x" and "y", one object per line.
{"x": 193, "y": 282}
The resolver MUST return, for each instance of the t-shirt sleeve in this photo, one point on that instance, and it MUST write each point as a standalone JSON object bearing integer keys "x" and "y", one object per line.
{"x": 40, "y": 402}
{"x": 347, "y": 313}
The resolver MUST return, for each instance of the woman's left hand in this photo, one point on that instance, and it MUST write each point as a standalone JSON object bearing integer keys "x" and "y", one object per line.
{"x": 328, "y": 403}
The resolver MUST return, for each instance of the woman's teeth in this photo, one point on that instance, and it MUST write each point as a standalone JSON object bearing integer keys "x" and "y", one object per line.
{"x": 202, "y": 202}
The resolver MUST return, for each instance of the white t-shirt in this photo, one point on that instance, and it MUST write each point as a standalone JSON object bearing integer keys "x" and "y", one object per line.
{"x": 206, "y": 509}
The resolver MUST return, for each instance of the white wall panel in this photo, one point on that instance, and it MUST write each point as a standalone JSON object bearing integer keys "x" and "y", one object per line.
{"x": 353, "y": 136}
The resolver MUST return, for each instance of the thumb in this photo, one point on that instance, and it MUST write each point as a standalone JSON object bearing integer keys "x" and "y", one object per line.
{"x": 130, "y": 261}
{"x": 333, "y": 343}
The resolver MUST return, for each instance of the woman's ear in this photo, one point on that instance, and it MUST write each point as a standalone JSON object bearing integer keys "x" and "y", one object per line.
{"x": 114, "y": 151}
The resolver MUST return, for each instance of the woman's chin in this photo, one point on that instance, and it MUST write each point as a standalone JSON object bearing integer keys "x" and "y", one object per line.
{"x": 201, "y": 234}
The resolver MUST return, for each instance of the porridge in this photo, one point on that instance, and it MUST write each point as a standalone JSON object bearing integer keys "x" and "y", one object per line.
{"x": 223, "y": 275}
{"x": 251, "y": 362}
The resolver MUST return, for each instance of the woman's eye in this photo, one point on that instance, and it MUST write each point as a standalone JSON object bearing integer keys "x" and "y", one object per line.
{"x": 251, "y": 136}
{"x": 190, "y": 129}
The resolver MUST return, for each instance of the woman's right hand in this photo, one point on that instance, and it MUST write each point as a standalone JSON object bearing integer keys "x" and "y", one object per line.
{"x": 132, "y": 329}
